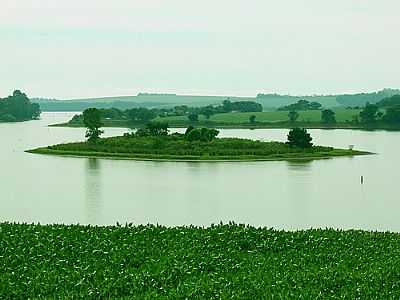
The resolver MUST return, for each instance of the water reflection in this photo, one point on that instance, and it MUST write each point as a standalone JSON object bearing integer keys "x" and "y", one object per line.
{"x": 299, "y": 165}
{"x": 93, "y": 205}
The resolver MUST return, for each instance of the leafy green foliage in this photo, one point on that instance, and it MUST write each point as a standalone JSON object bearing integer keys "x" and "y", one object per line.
{"x": 328, "y": 116}
{"x": 219, "y": 262}
{"x": 193, "y": 117}
{"x": 18, "y": 108}
{"x": 370, "y": 113}
{"x": 252, "y": 119}
{"x": 390, "y": 101}
{"x": 293, "y": 116}
{"x": 299, "y": 137}
{"x": 239, "y": 106}
{"x": 141, "y": 114}
{"x": 178, "y": 146}
{"x": 92, "y": 121}
{"x": 201, "y": 134}
{"x": 392, "y": 114}
{"x": 301, "y": 105}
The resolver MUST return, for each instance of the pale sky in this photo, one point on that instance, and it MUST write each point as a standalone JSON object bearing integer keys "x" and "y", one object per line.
{"x": 89, "y": 48}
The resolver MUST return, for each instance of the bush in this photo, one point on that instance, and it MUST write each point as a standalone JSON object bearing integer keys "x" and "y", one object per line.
{"x": 201, "y": 134}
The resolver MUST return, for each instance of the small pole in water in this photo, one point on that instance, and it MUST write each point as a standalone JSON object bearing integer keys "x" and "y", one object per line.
{"x": 362, "y": 179}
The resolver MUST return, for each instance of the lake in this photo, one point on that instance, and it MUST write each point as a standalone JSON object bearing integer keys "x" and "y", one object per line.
{"x": 283, "y": 195}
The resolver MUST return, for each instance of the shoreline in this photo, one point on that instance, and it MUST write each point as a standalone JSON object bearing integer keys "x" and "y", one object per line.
{"x": 244, "y": 126}
{"x": 172, "y": 158}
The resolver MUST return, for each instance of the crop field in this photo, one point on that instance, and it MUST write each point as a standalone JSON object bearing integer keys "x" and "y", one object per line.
{"x": 342, "y": 115}
{"x": 223, "y": 261}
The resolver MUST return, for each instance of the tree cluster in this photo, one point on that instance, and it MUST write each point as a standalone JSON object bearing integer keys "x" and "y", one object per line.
{"x": 299, "y": 137}
{"x": 301, "y": 105}
{"x": 144, "y": 115}
{"x": 18, "y": 107}
{"x": 200, "y": 134}
{"x": 152, "y": 129}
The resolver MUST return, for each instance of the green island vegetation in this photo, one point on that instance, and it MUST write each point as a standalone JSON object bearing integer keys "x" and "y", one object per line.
{"x": 384, "y": 114}
{"x": 225, "y": 261}
{"x": 154, "y": 100}
{"x": 154, "y": 142}
{"x": 18, "y": 108}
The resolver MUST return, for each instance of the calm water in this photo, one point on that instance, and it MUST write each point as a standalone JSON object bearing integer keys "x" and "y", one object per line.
{"x": 289, "y": 195}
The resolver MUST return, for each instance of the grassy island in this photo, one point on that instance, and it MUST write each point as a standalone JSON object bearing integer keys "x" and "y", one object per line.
{"x": 217, "y": 262}
{"x": 177, "y": 147}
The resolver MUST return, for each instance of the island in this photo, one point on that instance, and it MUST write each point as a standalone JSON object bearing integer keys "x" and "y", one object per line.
{"x": 154, "y": 142}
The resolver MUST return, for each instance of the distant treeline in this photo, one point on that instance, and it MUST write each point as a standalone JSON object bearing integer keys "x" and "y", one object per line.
{"x": 301, "y": 105}
{"x": 165, "y": 100}
{"x": 17, "y": 108}
{"x": 390, "y": 102}
{"x": 354, "y": 100}
{"x": 143, "y": 114}
{"x": 74, "y": 105}
{"x": 364, "y": 98}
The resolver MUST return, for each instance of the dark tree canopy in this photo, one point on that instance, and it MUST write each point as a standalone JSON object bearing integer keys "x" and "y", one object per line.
{"x": 193, "y": 117}
{"x": 201, "y": 134}
{"x": 293, "y": 116}
{"x": 141, "y": 114}
{"x": 92, "y": 121}
{"x": 299, "y": 137}
{"x": 207, "y": 111}
{"x": 328, "y": 116}
{"x": 370, "y": 113}
{"x": 157, "y": 128}
{"x": 18, "y": 108}
{"x": 301, "y": 105}
{"x": 189, "y": 129}
{"x": 392, "y": 114}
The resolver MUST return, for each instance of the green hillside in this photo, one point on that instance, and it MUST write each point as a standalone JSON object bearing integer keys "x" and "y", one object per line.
{"x": 342, "y": 115}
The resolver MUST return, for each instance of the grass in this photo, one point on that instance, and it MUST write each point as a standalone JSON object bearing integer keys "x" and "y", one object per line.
{"x": 342, "y": 115}
{"x": 267, "y": 119}
{"x": 177, "y": 148}
{"x": 218, "y": 262}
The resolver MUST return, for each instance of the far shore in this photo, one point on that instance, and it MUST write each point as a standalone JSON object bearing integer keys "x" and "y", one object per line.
{"x": 270, "y": 125}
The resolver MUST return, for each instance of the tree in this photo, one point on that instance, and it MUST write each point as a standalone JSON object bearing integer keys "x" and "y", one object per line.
{"x": 252, "y": 119}
{"x": 201, "y": 134}
{"x": 227, "y": 105}
{"x": 392, "y": 114}
{"x": 207, "y": 111}
{"x": 188, "y": 130}
{"x": 141, "y": 114}
{"x": 301, "y": 105}
{"x": 328, "y": 116}
{"x": 157, "y": 128}
{"x": 19, "y": 108}
{"x": 208, "y": 134}
{"x": 369, "y": 114}
{"x": 293, "y": 116}
{"x": 92, "y": 121}
{"x": 193, "y": 117}
{"x": 299, "y": 137}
